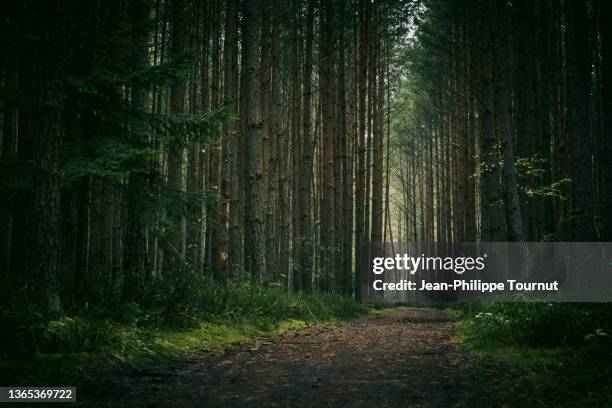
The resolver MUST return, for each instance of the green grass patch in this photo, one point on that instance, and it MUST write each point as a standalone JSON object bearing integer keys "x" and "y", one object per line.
{"x": 76, "y": 349}
{"x": 564, "y": 349}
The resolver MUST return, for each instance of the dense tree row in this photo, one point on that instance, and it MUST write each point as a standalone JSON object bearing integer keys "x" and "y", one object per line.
{"x": 148, "y": 142}
{"x": 504, "y": 123}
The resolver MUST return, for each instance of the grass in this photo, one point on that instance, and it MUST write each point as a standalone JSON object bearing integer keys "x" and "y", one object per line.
{"x": 78, "y": 349}
{"x": 132, "y": 348}
{"x": 564, "y": 349}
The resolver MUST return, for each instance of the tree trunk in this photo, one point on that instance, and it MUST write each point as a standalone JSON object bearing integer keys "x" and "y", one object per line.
{"x": 545, "y": 204}
{"x": 254, "y": 222}
{"x": 525, "y": 84}
{"x": 360, "y": 181}
{"x": 175, "y": 153}
{"x": 193, "y": 237}
{"x": 214, "y": 217}
{"x": 578, "y": 119}
{"x": 135, "y": 239}
{"x": 377, "y": 146}
{"x": 327, "y": 107}
{"x": 490, "y": 196}
{"x": 45, "y": 229}
{"x": 347, "y": 179}
{"x": 514, "y": 220}
{"x": 606, "y": 141}
{"x": 296, "y": 134}
{"x": 230, "y": 146}
{"x": 306, "y": 170}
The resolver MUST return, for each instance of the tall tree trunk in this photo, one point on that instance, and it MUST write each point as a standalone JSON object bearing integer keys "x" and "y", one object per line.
{"x": 470, "y": 147}
{"x": 337, "y": 171}
{"x": 525, "y": 84}
{"x": 377, "y": 146}
{"x": 440, "y": 187}
{"x": 27, "y": 20}
{"x": 204, "y": 156}
{"x": 346, "y": 165}
{"x": 362, "y": 81}
{"x": 45, "y": 229}
{"x": 371, "y": 103}
{"x": 306, "y": 170}
{"x": 470, "y": 171}
{"x": 578, "y": 119}
{"x": 267, "y": 143}
{"x": 176, "y": 240}
{"x": 463, "y": 177}
{"x": 490, "y": 196}
{"x": 278, "y": 149}
{"x": 296, "y": 133}
{"x": 514, "y": 220}
{"x": 429, "y": 201}
{"x": 545, "y": 204}
{"x": 135, "y": 239}
{"x": 606, "y": 141}
{"x": 8, "y": 147}
{"x": 326, "y": 81}
{"x": 193, "y": 237}
{"x": 214, "y": 217}
{"x": 560, "y": 171}
{"x": 254, "y": 222}
{"x": 231, "y": 140}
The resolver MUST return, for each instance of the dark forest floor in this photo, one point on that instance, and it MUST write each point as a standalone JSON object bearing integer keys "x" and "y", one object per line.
{"x": 403, "y": 357}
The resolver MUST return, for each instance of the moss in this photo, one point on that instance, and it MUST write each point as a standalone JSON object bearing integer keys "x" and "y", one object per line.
{"x": 214, "y": 334}
{"x": 81, "y": 351}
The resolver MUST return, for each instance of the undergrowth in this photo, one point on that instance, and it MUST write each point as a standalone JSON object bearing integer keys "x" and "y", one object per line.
{"x": 565, "y": 347}
{"x": 166, "y": 325}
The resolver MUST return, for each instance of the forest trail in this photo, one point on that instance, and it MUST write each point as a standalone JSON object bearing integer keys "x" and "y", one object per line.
{"x": 404, "y": 357}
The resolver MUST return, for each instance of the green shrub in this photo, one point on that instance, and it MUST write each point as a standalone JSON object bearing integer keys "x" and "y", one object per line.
{"x": 538, "y": 324}
{"x": 69, "y": 335}
{"x": 181, "y": 303}
{"x": 66, "y": 335}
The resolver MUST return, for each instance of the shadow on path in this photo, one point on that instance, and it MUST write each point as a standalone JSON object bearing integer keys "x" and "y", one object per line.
{"x": 406, "y": 357}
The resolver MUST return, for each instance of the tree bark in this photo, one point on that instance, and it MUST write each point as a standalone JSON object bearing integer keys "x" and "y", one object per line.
{"x": 514, "y": 220}
{"x": 296, "y": 133}
{"x": 230, "y": 146}
{"x": 135, "y": 239}
{"x": 255, "y": 222}
{"x": 175, "y": 153}
{"x": 45, "y": 228}
{"x": 606, "y": 141}
{"x": 360, "y": 181}
{"x": 578, "y": 119}
{"x": 306, "y": 170}
{"x": 214, "y": 212}
{"x": 346, "y": 165}
{"x": 490, "y": 195}
{"x": 327, "y": 107}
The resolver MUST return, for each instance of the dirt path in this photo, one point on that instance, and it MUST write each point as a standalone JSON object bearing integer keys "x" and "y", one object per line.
{"x": 406, "y": 357}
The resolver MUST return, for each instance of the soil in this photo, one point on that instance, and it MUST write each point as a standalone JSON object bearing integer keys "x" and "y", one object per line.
{"x": 405, "y": 357}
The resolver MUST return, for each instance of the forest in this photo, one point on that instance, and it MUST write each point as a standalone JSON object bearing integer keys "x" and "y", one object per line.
{"x": 199, "y": 166}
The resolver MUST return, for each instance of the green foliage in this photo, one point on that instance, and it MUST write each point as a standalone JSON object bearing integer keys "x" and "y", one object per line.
{"x": 118, "y": 149}
{"x": 172, "y": 320}
{"x": 533, "y": 168}
{"x": 25, "y": 332}
{"x": 567, "y": 347}
{"x": 183, "y": 302}
{"x": 537, "y": 324}
{"x": 189, "y": 299}
{"x": 69, "y": 335}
